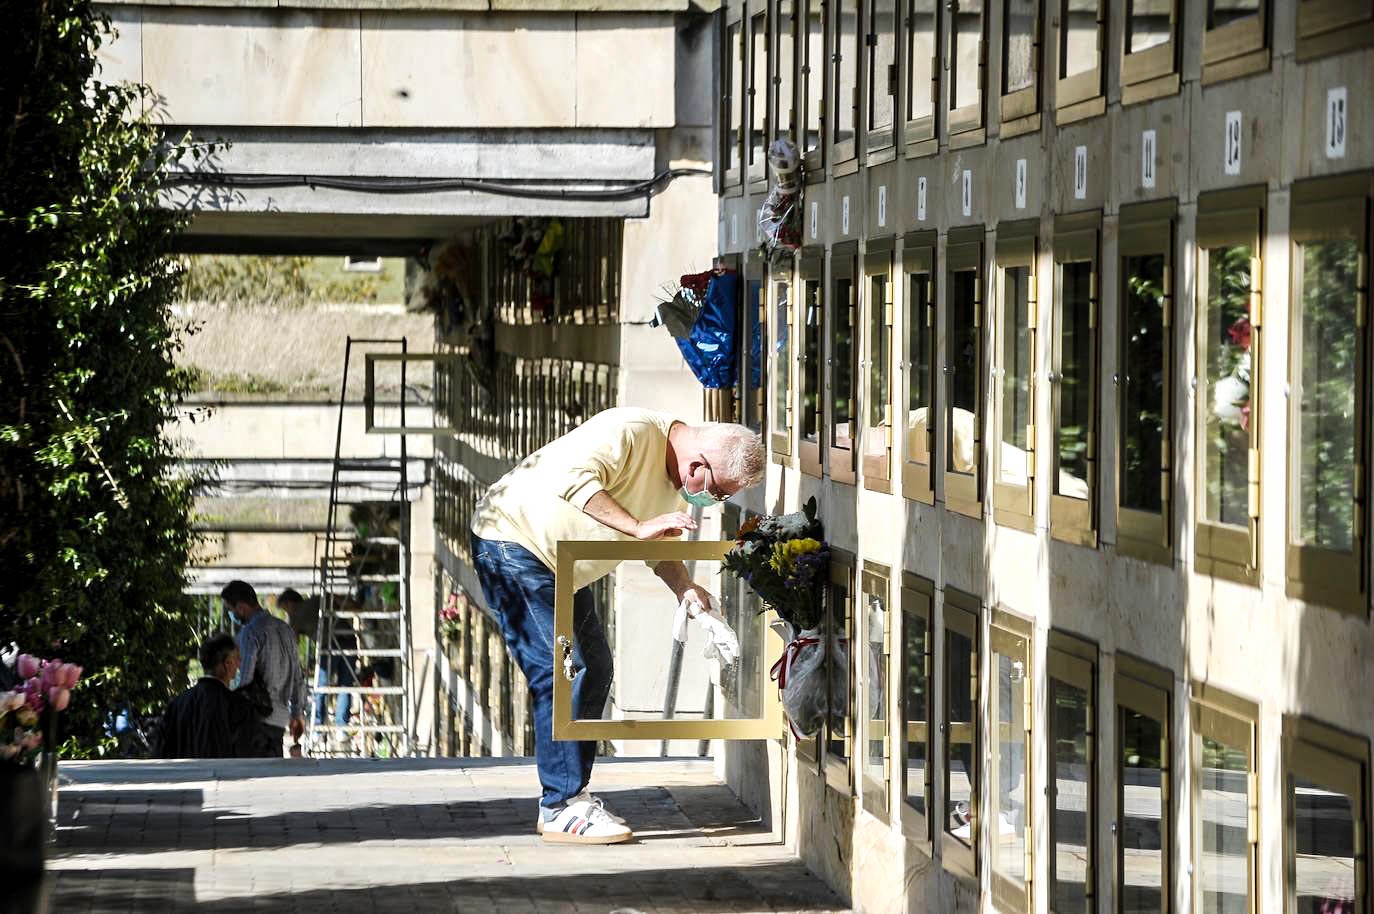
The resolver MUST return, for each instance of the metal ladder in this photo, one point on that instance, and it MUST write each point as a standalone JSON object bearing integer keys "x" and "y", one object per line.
{"x": 350, "y": 563}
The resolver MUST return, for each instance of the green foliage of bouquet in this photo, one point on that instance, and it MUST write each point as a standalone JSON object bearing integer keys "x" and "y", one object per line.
{"x": 784, "y": 559}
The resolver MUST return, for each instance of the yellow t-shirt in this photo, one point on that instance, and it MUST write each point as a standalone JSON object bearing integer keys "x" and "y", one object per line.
{"x": 622, "y": 451}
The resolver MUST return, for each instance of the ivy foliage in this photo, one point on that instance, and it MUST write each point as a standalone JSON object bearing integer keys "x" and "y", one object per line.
{"x": 95, "y": 528}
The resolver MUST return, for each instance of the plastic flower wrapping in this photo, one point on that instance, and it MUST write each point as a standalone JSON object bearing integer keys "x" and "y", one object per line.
{"x": 35, "y": 687}
{"x": 784, "y": 559}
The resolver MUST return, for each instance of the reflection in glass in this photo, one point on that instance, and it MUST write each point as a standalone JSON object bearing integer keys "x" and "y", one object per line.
{"x": 842, "y": 365}
{"x": 1075, "y": 378}
{"x": 879, "y": 431}
{"x": 846, "y": 69}
{"x": 968, "y": 45}
{"x": 1148, "y": 24}
{"x": 839, "y": 626}
{"x": 1079, "y": 44}
{"x": 882, "y": 63}
{"x": 1072, "y": 815}
{"x": 811, "y": 361}
{"x": 1327, "y": 354}
{"x": 782, "y": 357}
{"x": 747, "y": 672}
{"x": 1143, "y": 874}
{"x": 753, "y": 301}
{"x": 964, "y": 341}
{"x": 734, "y": 41}
{"x": 875, "y": 759}
{"x": 758, "y": 92}
{"x": 1015, "y": 376}
{"x": 1226, "y": 384}
{"x": 1019, "y": 71}
{"x": 1009, "y": 756}
{"x": 1324, "y": 850}
{"x": 1144, "y": 363}
{"x": 919, "y": 396}
{"x": 921, "y": 38}
{"x": 1224, "y": 12}
{"x": 914, "y": 635}
{"x": 961, "y": 711}
{"x": 1224, "y": 802}
{"x": 812, "y": 101}
{"x": 786, "y": 61}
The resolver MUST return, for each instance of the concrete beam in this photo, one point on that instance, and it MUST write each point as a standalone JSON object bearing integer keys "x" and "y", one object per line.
{"x": 540, "y": 6}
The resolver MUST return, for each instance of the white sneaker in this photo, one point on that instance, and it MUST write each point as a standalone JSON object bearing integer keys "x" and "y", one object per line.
{"x": 584, "y": 822}
{"x": 585, "y": 796}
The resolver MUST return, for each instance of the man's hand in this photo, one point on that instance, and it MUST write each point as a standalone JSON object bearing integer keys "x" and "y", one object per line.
{"x": 672, "y": 524}
{"x": 697, "y": 600}
{"x": 297, "y": 727}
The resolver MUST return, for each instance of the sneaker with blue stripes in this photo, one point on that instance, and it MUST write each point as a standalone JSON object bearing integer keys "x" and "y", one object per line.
{"x": 583, "y": 822}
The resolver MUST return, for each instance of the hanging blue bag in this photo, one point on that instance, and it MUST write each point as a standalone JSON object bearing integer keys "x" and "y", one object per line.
{"x": 710, "y": 348}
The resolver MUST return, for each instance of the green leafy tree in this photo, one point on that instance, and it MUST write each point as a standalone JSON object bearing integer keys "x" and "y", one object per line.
{"x": 95, "y": 528}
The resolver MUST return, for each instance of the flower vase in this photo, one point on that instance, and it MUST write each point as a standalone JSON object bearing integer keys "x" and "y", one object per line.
{"x": 23, "y": 839}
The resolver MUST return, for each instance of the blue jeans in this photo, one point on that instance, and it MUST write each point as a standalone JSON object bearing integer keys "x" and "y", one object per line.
{"x": 341, "y": 671}
{"x": 519, "y": 591}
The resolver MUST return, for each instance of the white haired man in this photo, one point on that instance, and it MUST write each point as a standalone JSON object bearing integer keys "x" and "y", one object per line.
{"x": 621, "y": 475}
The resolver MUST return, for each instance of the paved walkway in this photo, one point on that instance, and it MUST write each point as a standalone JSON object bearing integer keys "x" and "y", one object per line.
{"x": 409, "y": 835}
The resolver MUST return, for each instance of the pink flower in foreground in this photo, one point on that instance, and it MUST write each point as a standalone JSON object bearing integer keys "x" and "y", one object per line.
{"x": 58, "y": 698}
{"x": 33, "y": 694}
{"x": 27, "y": 667}
{"x": 1240, "y": 332}
{"x": 71, "y": 674}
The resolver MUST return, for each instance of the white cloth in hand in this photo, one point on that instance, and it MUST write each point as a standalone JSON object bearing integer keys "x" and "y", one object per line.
{"x": 724, "y": 644}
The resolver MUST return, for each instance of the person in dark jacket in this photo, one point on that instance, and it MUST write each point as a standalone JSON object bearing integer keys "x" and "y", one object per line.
{"x": 211, "y": 720}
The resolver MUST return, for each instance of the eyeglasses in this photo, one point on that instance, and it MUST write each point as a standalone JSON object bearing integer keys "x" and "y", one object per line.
{"x": 714, "y": 497}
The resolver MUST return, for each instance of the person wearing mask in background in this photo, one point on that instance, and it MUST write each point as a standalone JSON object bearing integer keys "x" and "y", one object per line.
{"x": 268, "y": 648}
{"x": 211, "y": 720}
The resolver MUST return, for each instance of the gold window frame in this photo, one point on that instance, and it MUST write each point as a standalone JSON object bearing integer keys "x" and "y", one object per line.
{"x": 1147, "y": 690}
{"x": 811, "y": 85}
{"x": 838, "y": 767}
{"x": 918, "y": 608}
{"x": 811, "y": 270}
{"x": 1153, "y": 72}
{"x": 880, "y": 138}
{"x": 1327, "y": 209}
{"x": 968, "y": 119}
{"x": 753, "y": 402}
{"x": 1011, "y": 635}
{"x": 1226, "y": 219}
{"x": 919, "y": 131}
{"x": 370, "y": 360}
{"x": 1146, "y": 228}
{"x": 782, "y": 372}
{"x": 1023, "y": 104}
{"x": 1338, "y": 761}
{"x": 877, "y": 463}
{"x": 918, "y": 266}
{"x": 1219, "y": 714}
{"x": 1017, "y": 246}
{"x": 1328, "y": 27}
{"x": 961, "y": 614}
{"x": 1081, "y": 95}
{"x": 758, "y": 130}
{"x": 732, "y": 178}
{"x": 1076, "y": 240}
{"x": 1237, "y": 48}
{"x": 782, "y": 81}
{"x": 843, "y": 153}
{"x": 842, "y": 457}
{"x": 876, "y": 796}
{"x": 964, "y": 253}
{"x": 1073, "y": 661}
{"x": 566, "y": 727}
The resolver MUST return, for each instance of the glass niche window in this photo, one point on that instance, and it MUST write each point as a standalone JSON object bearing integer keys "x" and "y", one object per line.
{"x": 1021, "y": 49}
{"x": 753, "y": 318}
{"x": 1149, "y": 62}
{"x": 918, "y": 367}
{"x": 873, "y": 661}
{"x": 959, "y": 724}
{"x": 844, "y": 80}
{"x": 1144, "y": 472}
{"x": 1325, "y": 789}
{"x": 1225, "y": 801}
{"x": 1072, "y": 779}
{"x": 1073, "y": 376}
{"x": 967, "y": 66}
{"x": 782, "y": 70}
{"x": 1143, "y": 787}
{"x": 1015, "y": 351}
{"x": 1078, "y": 89}
{"x": 837, "y": 733}
{"x": 1328, "y": 400}
{"x": 1226, "y": 424}
{"x": 918, "y": 601}
{"x": 843, "y": 361}
{"x": 814, "y": 36}
{"x": 1235, "y": 40}
{"x": 758, "y": 91}
{"x": 732, "y": 100}
{"x": 877, "y": 364}
{"x": 780, "y": 361}
{"x": 964, "y": 371}
{"x": 922, "y": 73}
{"x": 1009, "y": 809}
{"x": 811, "y": 365}
{"x": 882, "y": 72}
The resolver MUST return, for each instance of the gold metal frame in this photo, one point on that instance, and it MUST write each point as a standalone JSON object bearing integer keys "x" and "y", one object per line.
{"x": 769, "y": 726}
{"x": 1074, "y": 520}
{"x": 1331, "y": 26}
{"x": 846, "y": 151}
{"x": 813, "y": 76}
{"x": 962, "y": 614}
{"x": 1010, "y": 635}
{"x": 877, "y": 467}
{"x": 370, "y": 360}
{"x": 1236, "y": 719}
{"x": 1146, "y": 228}
{"x": 919, "y": 132}
{"x": 811, "y": 270}
{"x": 1225, "y": 219}
{"x": 917, "y": 606}
{"x": 918, "y": 266}
{"x": 1147, "y": 690}
{"x": 970, "y": 118}
{"x": 1017, "y": 246}
{"x": 838, "y": 770}
{"x": 1074, "y": 662}
{"x": 842, "y": 459}
{"x": 964, "y": 253}
{"x": 781, "y": 372}
{"x": 876, "y": 580}
{"x": 1153, "y": 72}
{"x": 1326, "y": 209}
{"x": 1023, "y": 104}
{"x": 880, "y": 138}
{"x": 753, "y": 412}
{"x": 1237, "y": 48}
{"x": 757, "y": 172}
{"x": 782, "y": 111}
{"x": 1082, "y": 95}
{"x": 732, "y": 178}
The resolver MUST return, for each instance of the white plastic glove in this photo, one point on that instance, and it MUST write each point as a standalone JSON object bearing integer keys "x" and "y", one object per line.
{"x": 724, "y": 645}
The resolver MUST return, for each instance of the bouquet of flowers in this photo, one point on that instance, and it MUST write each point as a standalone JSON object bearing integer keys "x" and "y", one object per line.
{"x": 784, "y": 559}
{"x": 451, "y": 617}
{"x": 32, "y": 687}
